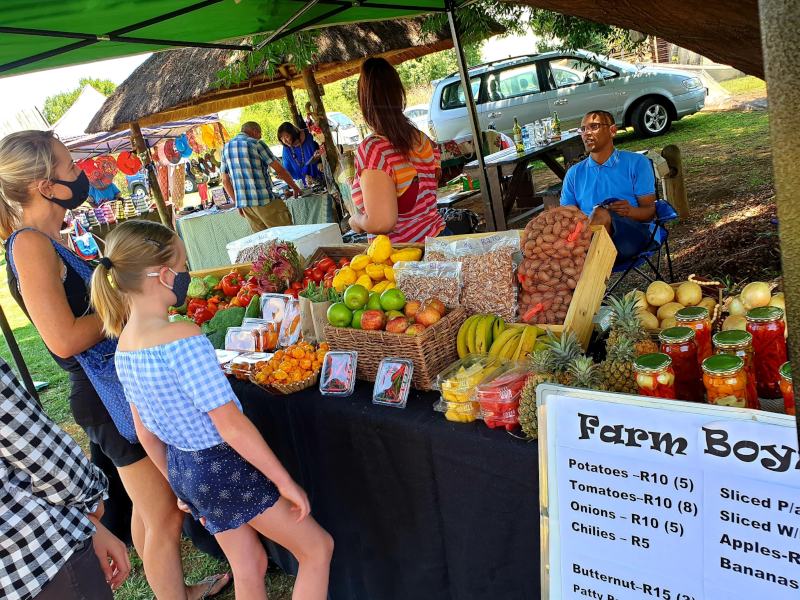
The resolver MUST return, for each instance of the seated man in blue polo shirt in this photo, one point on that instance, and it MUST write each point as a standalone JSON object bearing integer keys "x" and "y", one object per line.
{"x": 617, "y": 189}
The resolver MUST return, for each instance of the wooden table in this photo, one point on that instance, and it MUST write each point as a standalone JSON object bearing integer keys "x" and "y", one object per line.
{"x": 508, "y": 162}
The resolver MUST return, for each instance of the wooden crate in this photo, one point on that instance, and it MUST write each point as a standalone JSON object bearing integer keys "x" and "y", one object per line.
{"x": 714, "y": 292}
{"x": 243, "y": 268}
{"x": 340, "y": 251}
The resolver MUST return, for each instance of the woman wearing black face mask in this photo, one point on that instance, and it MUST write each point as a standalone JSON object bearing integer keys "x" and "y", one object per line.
{"x": 39, "y": 182}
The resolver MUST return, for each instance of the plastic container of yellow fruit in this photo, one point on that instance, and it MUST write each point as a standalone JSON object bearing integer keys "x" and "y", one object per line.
{"x": 457, "y": 383}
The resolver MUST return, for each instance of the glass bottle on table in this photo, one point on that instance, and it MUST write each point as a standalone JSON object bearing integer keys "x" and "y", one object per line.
{"x": 538, "y": 133}
{"x": 766, "y": 326}
{"x": 787, "y": 388}
{"x": 740, "y": 343}
{"x": 556, "y": 128}
{"x": 725, "y": 380}
{"x": 679, "y": 344}
{"x": 518, "y": 138}
{"x": 655, "y": 376}
{"x": 697, "y": 318}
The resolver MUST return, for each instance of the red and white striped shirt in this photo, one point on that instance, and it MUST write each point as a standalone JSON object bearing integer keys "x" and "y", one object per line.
{"x": 422, "y": 219}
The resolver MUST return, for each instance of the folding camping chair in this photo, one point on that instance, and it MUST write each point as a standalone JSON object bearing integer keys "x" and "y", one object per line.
{"x": 658, "y": 240}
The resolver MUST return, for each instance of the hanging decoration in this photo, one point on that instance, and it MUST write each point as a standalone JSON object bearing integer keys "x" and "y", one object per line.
{"x": 85, "y": 245}
{"x": 129, "y": 163}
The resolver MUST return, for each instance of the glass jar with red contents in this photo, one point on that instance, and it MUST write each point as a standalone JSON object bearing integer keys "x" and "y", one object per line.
{"x": 725, "y": 380}
{"x": 766, "y": 325}
{"x": 697, "y": 318}
{"x": 740, "y": 343}
{"x": 787, "y": 388}
{"x": 655, "y": 376}
{"x": 679, "y": 344}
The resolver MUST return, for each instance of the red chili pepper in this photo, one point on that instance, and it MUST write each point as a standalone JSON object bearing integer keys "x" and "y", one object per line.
{"x": 202, "y": 315}
{"x": 231, "y": 284}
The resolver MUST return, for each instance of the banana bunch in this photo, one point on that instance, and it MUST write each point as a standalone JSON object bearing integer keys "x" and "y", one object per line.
{"x": 487, "y": 334}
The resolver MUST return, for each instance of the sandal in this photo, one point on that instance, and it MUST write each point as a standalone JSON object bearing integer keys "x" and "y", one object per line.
{"x": 212, "y": 581}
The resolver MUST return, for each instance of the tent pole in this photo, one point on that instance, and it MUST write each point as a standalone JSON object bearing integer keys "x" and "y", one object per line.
{"x": 780, "y": 24}
{"x": 320, "y": 116}
{"x": 472, "y": 112}
{"x": 141, "y": 148}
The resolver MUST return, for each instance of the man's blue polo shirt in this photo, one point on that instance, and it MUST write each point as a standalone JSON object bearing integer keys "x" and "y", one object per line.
{"x": 625, "y": 175}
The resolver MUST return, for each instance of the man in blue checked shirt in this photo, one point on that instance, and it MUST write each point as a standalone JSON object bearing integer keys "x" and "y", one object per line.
{"x": 245, "y": 177}
{"x": 617, "y": 189}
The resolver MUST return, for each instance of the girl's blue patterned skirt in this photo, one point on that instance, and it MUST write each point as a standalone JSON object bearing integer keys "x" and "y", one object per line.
{"x": 219, "y": 485}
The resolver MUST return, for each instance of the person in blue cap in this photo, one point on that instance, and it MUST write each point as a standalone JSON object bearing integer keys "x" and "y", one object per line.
{"x": 617, "y": 189}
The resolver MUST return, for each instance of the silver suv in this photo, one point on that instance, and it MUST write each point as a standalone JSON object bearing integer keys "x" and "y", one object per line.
{"x": 572, "y": 83}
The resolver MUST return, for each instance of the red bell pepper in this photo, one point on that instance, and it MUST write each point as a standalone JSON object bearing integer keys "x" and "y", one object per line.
{"x": 213, "y": 303}
{"x": 194, "y": 304}
{"x": 244, "y": 296}
{"x": 202, "y": 314}
{"x": 231, "y": 283}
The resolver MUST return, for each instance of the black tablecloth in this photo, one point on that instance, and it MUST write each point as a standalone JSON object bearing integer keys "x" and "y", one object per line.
{"x": 419, "y": 508}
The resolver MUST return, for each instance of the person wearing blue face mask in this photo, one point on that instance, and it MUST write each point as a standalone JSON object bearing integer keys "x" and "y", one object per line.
{"x": 39, "y": 182}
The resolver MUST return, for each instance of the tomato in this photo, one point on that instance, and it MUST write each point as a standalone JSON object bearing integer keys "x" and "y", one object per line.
{"x": 292, "y": 292}
{"x": 306, "y": 280}
{"x": 344, "y": 262}
{"x": 297, "y": 285}
{"x": 307, "y": 272}
{"x": 331, "y": 270}
{"x": 326, "y": 263}
{"x": 317, "y": 275}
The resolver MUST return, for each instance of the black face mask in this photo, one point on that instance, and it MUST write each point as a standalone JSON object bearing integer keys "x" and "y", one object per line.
{"x": 80, "y": 192}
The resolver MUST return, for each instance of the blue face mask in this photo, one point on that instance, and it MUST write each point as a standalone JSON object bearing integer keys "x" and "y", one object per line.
{"x": 179, "y": 287}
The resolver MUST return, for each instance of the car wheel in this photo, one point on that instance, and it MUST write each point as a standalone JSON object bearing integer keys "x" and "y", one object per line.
{"x": 189, "y": 185}
{"x": 651, "y": 118}
{"x": 139, "y": 190}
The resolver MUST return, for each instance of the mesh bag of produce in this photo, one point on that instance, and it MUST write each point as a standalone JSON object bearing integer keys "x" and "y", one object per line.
{"x": 554, "y": 245}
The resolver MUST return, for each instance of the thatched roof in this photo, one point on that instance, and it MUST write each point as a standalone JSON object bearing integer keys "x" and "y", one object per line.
{"x": 179, "y": 84}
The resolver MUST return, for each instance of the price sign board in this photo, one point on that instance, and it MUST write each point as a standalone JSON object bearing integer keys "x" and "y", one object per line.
{"x": 644, "y": 498}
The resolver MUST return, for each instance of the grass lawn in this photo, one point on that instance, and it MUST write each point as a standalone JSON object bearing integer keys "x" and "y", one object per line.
{"x": 744, "y": 85}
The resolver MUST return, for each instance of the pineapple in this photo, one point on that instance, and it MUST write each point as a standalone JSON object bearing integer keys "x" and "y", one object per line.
{"x": 547, "y": 366}
{"x": 617, "y": 369}
{"x": 627, "y": 322}
{"x": 585, "y": 374}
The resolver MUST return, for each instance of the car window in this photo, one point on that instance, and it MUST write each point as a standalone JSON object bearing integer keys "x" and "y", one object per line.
{"x": 453, "y": 94}
{"x": 512, "y": 83}
{"x": 568, "y": 71}
{"x": 342, "y": 119}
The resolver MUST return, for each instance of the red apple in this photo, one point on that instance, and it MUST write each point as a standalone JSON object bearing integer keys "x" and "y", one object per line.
{"x": 415, "y": 329}
{"x": 412, "y": 307}
{"x": 438, "y": 304}
{"x": 373, "y": 320}
{"x": 397, "y": 325}
{"x": 427, "y": 315}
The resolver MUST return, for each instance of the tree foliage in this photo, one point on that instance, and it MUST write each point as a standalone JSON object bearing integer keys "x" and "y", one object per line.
{"x": 56, "y": 105}
{"x": 563, "y": 32}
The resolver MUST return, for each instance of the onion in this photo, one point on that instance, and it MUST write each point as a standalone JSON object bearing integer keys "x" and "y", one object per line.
{"x": 779, "y": 300}
{"x": 736, "y": 307}
{"x": 735, "y": 322}
{"x": 755, "y": 294}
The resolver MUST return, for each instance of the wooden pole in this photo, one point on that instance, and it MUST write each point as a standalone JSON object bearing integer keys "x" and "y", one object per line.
{"x": 320, "y": 116}
{"x": 141, "y": 149}
{"x": 296, "y": 118}
{"x": 780, "y": 39}
{"x": 674, "y": 186}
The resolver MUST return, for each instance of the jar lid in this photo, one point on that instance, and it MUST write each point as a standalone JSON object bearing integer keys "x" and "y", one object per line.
{"x": 652, "y": 363}
{"x": 764, "y": 314}
{"x": 733, "y": 338}
{"x": 673, "y": 335}
{"x": 786, "y": 371}
{"x": 722, "y": 364}
{"x": 691, "y": 313}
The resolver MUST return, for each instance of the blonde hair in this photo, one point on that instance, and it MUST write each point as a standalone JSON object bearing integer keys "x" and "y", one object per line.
{"x": 25, "y": 157}
{"x": 132, "y": 248}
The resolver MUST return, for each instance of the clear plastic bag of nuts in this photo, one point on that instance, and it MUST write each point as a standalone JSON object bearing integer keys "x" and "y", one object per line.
{"x": 488, "y": 285}
{"x": 554, "y": 245}
{"x": 423, "y": 280}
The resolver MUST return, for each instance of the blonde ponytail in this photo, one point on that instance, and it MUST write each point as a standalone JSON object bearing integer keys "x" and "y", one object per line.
{"x": 133, "y": 248}
{"x": 25, "y": 158}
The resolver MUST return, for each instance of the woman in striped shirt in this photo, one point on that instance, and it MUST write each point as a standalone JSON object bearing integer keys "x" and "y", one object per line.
{"x": 397, "y": 167}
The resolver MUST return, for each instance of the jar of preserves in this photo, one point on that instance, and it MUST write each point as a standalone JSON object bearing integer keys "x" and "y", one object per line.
{"x": 787, "y": 389}
{"x": 725, "y": 380}
{"x": 697, "y": 318}
{"x": 740, "y": 343}
{"x": 679, "y": 344}
{"x": 766, "y": 325}
{"x": 655, "y": 376}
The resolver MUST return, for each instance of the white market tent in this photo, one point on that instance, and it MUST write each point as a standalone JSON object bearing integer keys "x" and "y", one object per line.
{"x": 74, "y": 122}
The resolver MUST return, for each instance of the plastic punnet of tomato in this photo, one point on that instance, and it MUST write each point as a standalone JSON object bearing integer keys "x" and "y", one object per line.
{"x": 499, "y": 395}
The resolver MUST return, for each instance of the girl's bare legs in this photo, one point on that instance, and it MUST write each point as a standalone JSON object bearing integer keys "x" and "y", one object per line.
{"x": 311, "y": 545}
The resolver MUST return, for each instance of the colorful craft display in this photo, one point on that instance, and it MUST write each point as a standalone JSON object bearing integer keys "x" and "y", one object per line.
{"x": 171, "y": 152}
{"x": 129, "y": 163}
{"x": 182, "y": 146}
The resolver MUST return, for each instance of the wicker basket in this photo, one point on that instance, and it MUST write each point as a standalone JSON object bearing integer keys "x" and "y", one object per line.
{"x": 432, "y": 351}
{"x": 710, "y": 290}
{"x": 284, "y": 389}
